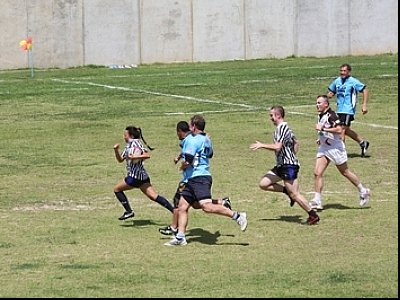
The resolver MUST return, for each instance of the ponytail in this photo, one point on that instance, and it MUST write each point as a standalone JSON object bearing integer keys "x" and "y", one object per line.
{"x": 136, "y": 133}
{"x": 142, "y": 138}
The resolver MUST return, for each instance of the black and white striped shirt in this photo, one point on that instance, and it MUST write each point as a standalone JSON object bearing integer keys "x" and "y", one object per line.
{"x": 286, "y": 155}
{"x": 135, "y": 169}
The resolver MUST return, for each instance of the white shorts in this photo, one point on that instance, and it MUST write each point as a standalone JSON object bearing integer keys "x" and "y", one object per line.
{"x": 338, "y": 156}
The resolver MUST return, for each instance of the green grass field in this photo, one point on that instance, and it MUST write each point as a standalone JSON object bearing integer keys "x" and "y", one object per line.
{"x": 59, "y": 232}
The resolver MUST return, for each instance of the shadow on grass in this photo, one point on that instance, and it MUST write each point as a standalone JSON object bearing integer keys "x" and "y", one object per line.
{"x": 200, "y": 235}
{"x": 291, "y": 219}
{"x": 340, "y": 206}
{"x": 352, "y": 155}
{"x": 137, "y": 223}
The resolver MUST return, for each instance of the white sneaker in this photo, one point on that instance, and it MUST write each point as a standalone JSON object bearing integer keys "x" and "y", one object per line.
{"x": 314, "y": 204}
{"x": 364, "y": 197}
{"x": 176, "y": 242}
{"x": 242, "y": 221}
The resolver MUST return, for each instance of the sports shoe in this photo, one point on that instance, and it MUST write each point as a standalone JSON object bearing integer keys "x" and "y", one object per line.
{"x": 364, "y": 147}
{"x": 242, "y": 221}
{"x": 176, "y": 242}
{"x": 168, "y": 230}
{"x": 311, "y": 220}
{"x": 226, "y": 202}
{"x": 317, "y": 205}
{"x": 364, "y": 197}
{"x": 127, "y": 215}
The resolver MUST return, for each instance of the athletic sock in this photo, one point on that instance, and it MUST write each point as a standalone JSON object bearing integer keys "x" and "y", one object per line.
{"x": 317, "y": 197}
{"x": 312, "y": 213}
{"x": 124, "y": 201}
{"x": 235, "y": 216}
{"x": 361, "y": 188}
{"x": 180, "y": 235}
{"x": 164, "y": 202}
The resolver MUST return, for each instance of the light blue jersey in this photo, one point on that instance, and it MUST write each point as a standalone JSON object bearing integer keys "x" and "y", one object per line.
{"x": 197, "y": 149}
{"x": 186, "y": 173}
{"x": 346, "y": 91}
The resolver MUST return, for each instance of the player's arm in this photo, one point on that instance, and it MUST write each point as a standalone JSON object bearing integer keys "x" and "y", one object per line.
{"x": 258, "y": 145}
{"x": 365, "y": 94}
{"x": 177, "y": 158}
{"x": 187, "y": 161}
{"x": 117, "y": 154}
{"x": 330, "y": 94}
{"x": 144, "y": 155}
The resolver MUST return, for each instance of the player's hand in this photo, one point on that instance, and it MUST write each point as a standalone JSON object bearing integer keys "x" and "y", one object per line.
{"x": 318, "y": 127}
{"x": 116, "y": 146}
{"x": 364, "y": 109}
{"x": 256, "y": 145}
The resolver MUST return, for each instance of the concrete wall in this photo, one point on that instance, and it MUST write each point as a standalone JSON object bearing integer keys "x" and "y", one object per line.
{"x": 70, "y": 33}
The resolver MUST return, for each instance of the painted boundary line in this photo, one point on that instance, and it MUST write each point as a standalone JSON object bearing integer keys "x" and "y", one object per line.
{"x": 201, "y": 100}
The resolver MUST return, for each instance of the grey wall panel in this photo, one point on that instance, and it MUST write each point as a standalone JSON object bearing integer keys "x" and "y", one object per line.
{"x": 269, "y": 28}
{"x": 13, "y": 29}
{"x": 218, "y": 30}
{"x": 70, "y": 33}
{"x": 112, "y": 32}
{"x": 374, "y": 26}
{"x": 166, "y": 31}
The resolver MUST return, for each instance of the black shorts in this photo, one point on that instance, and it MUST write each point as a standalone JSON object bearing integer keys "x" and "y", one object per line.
{"x": 286, "y": 172}
{"x": 198, "y": 188}
{"x": 131, "y": 181}
{"x": 346, "y": 119}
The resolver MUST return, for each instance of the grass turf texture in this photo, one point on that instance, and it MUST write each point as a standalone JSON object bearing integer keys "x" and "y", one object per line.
{"x": 59, "y": 233}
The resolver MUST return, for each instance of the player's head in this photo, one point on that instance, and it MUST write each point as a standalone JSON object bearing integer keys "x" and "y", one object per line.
{"x": 197, "y": 123}
{"x": 132, "y": 132}
{"x": 345, "y": 70}
{"x": 276, "y": 114}
{"x": 182, "y": 129}
{"x": 322, "y": 103}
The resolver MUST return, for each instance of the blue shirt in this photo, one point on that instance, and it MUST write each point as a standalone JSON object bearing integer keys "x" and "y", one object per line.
{"x": 346, "y": 91}
{"x": 197, "y": 150}
{"x": 186, "y": 172}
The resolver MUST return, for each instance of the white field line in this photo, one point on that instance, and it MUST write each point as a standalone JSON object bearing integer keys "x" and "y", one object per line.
{"x": 71, "y": 206}
{"x": 141, "y": 91}
{"x": 195, "y": 99}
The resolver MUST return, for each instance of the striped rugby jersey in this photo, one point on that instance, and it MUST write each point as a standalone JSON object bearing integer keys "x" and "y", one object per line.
{"x": 135, "y": 170}
{"x": 285, "y": 156}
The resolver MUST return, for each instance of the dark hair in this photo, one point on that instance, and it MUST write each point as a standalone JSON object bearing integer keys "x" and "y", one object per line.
{"x": 136, "y": 133}
{"x": 348, "y": 67}
{"x": 279, "y": 109}
{"x": 199, "y": 122}
{"x": 183, "y": 126}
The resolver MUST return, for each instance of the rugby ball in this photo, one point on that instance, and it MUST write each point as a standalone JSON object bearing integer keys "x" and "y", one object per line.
{"x": 135, "y": 151}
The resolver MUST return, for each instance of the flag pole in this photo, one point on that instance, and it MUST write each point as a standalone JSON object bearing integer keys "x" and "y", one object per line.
{"x": 30, "y": 61}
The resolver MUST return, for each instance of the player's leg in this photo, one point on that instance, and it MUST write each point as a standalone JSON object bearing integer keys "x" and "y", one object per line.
{"x": 183, "y": 214}
{"x": 173, "y": 228}
{"x": 353, "y": 178}
{"x": 269, "y": 183}
{"x": 346, "y": 121}
{"x": 292, "y": 187}
{"x": 149, "y": 191}
{"x": 119, "y": 189}
{"x": 321, "y": 163}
